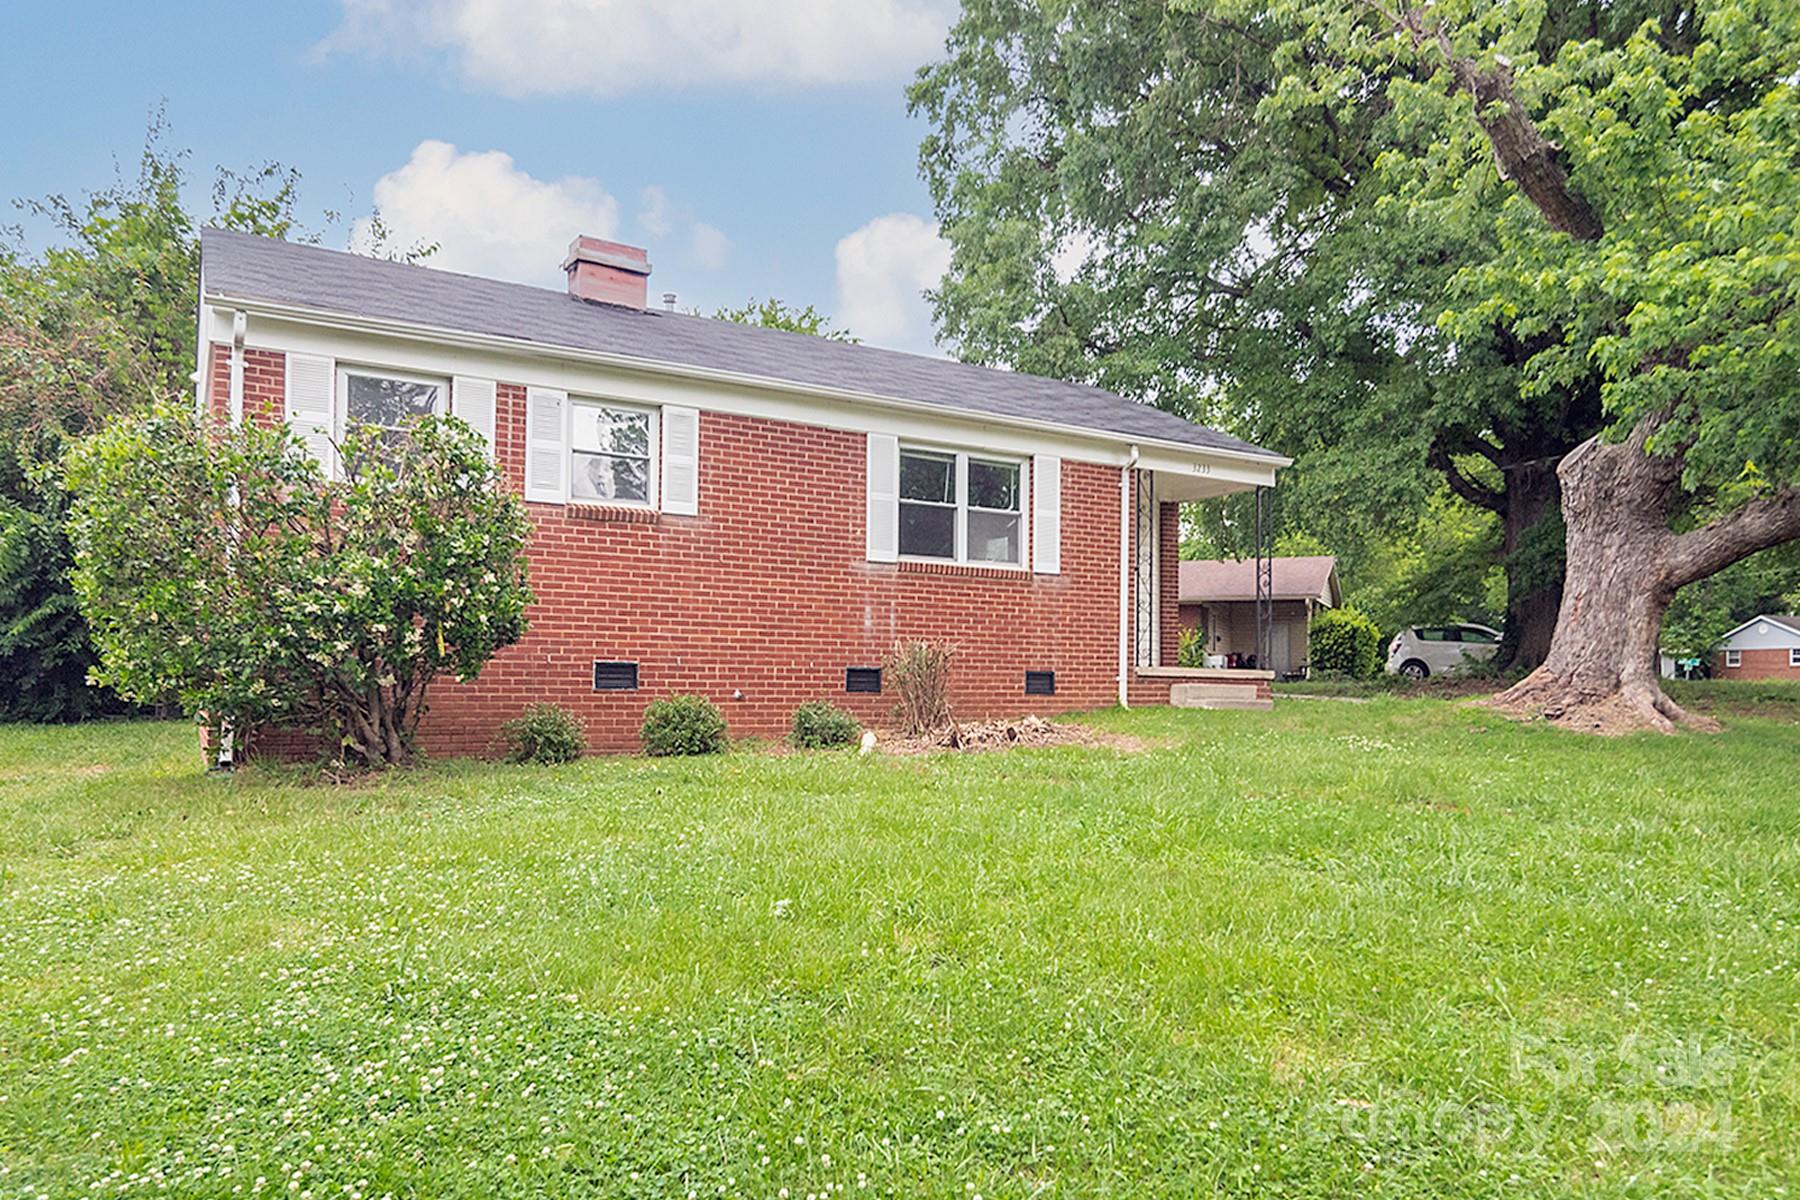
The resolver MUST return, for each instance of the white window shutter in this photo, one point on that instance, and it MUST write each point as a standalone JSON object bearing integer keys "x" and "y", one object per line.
{"x": 546, "y": 455}
{"x": 884, "y": 497}
{"x": 680, "y": 460}
{"x": 473, "y": 401}
{"x": 309, "y": 401}
{"x": 1046, "y": 514}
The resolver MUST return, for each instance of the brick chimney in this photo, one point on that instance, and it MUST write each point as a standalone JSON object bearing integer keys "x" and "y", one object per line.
{"x": 608, "y": 272}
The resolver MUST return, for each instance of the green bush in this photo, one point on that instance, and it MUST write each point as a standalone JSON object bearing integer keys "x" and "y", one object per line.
{"x": 544, "y": 733}
{"x": 219, "y": 567}
{"x": 1345, "y": 641}
{"x": 1193, "y": 648}
{"x": 821, "y": 724}
{"x": 683, "y": 725}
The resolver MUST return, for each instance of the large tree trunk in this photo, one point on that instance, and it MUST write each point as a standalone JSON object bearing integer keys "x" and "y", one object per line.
{"x": 1534, "y": 586}
{"x": 1601, "y": 671}
{"x": 1624, "y": 567}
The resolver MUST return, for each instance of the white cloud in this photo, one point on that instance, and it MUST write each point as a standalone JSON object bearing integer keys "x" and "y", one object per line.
{"x": 710, "y": 247}
{"x": 882, "y": 269}
{"x": 486, "y": 216}
{"x": 604, "y": 47}
{"x": 656, "y": 216}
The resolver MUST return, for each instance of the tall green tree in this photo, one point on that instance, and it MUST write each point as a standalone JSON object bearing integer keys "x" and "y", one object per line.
{"x": 99, "y": 320}
{"x": 1137, "y": 195}
{"x": 1640, "y": 203}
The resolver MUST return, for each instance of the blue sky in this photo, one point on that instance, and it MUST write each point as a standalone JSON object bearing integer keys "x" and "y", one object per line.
{"x": 755, "y": 147}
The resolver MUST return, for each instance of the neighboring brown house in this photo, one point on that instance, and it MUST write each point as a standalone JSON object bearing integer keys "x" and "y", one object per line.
{"x": 1765, "y": 647}
{"x": 1218, "y": 597}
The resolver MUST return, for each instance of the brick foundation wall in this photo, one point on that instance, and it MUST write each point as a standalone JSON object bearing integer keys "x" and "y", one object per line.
{"x": 1757, "y": 664}
{"x": 764, "y": 598}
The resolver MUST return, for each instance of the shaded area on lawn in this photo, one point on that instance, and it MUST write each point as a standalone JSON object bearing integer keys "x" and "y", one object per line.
{"x": 1775, "y": 700}
{"x": 1398, "y": 948}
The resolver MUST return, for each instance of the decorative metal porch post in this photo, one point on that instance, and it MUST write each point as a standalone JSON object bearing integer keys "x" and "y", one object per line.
{"x": 1265, "y": 578}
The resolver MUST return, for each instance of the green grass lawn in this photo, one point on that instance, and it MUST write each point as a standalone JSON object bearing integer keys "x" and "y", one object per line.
{"x": 1400, "y": 948}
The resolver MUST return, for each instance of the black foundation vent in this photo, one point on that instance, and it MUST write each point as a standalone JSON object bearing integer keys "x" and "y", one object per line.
{"x": 615, "y": 677}
{"x": 862, "y": 679}
{"x": 1040, "y": 683}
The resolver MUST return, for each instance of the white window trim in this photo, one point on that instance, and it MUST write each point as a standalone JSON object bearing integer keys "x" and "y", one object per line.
{"x": 654, "y": 472}
{"x": 340, "y": 417}
{"x": 961, "y": 532}
{"x": 1734, "y": 658}
{"x": 1794, "y": 656}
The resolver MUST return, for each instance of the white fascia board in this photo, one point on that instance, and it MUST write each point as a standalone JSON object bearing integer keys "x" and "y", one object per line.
{"x": 404, "y": 345}
{"x": 1782, "y": 637}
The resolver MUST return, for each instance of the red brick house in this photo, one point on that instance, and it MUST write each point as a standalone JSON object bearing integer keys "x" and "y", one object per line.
{"x": 1765, "y": 647}
{"x": 743, "y": 513}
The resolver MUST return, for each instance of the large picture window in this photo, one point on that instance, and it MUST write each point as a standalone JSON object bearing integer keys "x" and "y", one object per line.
{"x": 960, "y": 508}
{"x": 611, "y": 448}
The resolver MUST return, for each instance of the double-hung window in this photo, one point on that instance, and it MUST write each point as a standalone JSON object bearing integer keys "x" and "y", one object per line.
{"x": 1734, "y": 658}
{"x": 960, "y": 508}
{"x": 611, "y": 449}
{"x": 381, "y": 402}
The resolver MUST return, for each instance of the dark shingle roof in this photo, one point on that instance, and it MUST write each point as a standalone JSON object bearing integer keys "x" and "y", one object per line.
{"x": 255, "y": 268}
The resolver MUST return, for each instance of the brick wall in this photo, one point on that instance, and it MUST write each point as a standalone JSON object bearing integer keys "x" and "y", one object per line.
{"x": 1757, "y": 664}
{"x": 761, "y": 600}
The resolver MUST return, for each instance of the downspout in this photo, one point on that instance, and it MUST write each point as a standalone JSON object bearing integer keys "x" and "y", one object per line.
{"x": 238, "y": 324}
{"x": 1125, "y": 524}
{"x": 235, "y": 407}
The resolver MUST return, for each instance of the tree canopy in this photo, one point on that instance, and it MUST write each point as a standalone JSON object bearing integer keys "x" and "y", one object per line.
{"x": 98, "y": 321}
{"x": 1417, "y": 249}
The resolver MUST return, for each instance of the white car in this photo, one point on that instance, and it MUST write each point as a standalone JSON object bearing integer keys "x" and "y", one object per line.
{"x": 1438, "y": 649}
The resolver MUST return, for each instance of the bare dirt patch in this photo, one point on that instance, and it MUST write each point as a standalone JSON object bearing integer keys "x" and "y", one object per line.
{"x": 981, "y": 736}
{"x": 1609, "y": 716}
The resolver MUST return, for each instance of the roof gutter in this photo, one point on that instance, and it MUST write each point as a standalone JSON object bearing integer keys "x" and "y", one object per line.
{"x": 350, "y": 322}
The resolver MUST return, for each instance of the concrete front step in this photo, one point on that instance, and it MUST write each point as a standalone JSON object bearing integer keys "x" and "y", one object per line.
{"x": 1219, "y": 695}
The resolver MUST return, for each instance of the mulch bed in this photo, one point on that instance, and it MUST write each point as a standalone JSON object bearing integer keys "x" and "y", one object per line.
{"x": 981, "y": 736}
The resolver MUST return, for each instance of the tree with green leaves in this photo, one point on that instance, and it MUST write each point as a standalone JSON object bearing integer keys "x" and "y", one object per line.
{"x": 216, "y": 565}
{"x": 777, "y": 314}
{"x": 97, "y": 322}
{"x": 1137, "y": 196}
{"x": 1526, "y": 245}
{"x": 1640, "y": 204}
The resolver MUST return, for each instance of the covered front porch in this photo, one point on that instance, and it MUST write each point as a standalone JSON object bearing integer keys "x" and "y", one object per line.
{"x": 1151, "y": 624}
